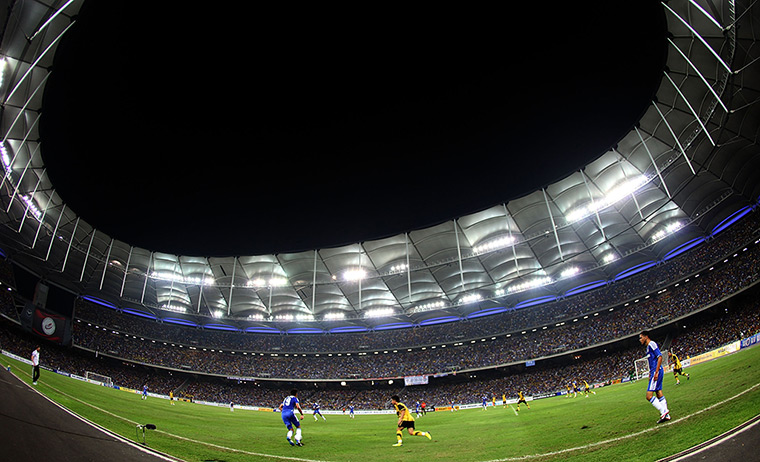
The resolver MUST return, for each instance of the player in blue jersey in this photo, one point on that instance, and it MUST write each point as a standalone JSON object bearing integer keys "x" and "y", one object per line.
{"x": 315, "y": 407}
{"x": 656, "y": 372}
{"x": 288, "y": 407}
{"x": 418, "y": 409}
{"x": 351, "y": 410}
{"x": 485, "y": 403}
{"x": 145, "y": 392}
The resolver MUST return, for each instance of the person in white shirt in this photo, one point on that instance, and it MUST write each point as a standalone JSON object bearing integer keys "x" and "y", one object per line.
{"x": 35, "y": 365}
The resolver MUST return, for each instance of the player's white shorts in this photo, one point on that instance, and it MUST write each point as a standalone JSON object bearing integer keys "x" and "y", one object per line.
{"x": 655, "y": 385}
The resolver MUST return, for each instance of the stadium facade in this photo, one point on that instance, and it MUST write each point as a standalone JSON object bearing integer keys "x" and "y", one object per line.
{"x": 684, "y": 172}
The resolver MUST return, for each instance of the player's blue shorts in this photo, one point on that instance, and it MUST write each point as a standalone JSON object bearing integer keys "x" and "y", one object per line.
{"x": 291, "y": 420}
{"x": 655, "y": 385}
{"x": 316, "y": 411}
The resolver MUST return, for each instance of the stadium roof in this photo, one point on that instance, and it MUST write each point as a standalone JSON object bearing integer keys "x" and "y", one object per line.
{"x": 620, "y": 195}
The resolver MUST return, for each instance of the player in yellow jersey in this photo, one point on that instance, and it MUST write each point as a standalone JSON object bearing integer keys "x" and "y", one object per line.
{"x": 504, "y": 400}
{"x": 521, "y": 399}
{"x": 405, "y": 420}
{"x": 493, "y": 401}
{"x": 569, "y": 391}
{"x": 171, "y": 397}
{"x": 587, "y": 389}
{"x": 677, "y": 367}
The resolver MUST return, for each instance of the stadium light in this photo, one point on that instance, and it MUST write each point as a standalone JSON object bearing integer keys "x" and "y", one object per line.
{"x": 379, "y": 312}
{"x": 174, "y": 308}
{"x": 619, "y": 192}
{"x": 496, "y": 244}
{"x": 335, "y": 316}
{"x": 470, "y": 298}
{"x": 354, "y": 275}
{"x": 3, "y": 62}
{"x": 399, "y": 268}
{"x": 6, "y": 158}
{"x": 272, "y": 282}
{"x": 530, "y": 284}
{"x": 430, "y": 306}
{"x": 569, "y": 272}
{"x": 610, "y": 257}
{"x": 189, "y": 280}
{"x": 668, "y": 230}
{"x": 29, "y": 201}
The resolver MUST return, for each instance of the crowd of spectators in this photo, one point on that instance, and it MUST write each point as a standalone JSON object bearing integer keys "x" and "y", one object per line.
{"x": 200, "y": 363}
{"x": 572, "y": 334}
{"x": 708, "y": 331}
{"x": 613, "y": 295}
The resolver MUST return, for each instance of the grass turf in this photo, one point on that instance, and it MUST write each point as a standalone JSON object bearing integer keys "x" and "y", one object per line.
{"x": 615, "y": 424}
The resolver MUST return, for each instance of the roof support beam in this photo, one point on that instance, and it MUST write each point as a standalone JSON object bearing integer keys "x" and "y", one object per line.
{"x": 87, "y": 255}
{"x": 702, "y": 77}
{"x": 232, "y": 285}
{"x": 105, "y": 265}
{"x": 511, "y": 239}
{"x": 126, "y": 270}
{"x": 55, "y": 232}
{"x": 408, "y": 271}
{"x": 22, "y": 109}
{"x": 707, "y": 15}
{"x": 36, "y": 61}
{"x": 699, "y": 37}
{"x": 29, "y": 203}
{"x": 593, "y": 205}
{"x": 459, "y": 254}
{"x": 693, "y": 112}
{"x": 200, "y": 298}
{"x": 314, "y": 283}
{"x": 18, "y": 183}
{"x": 633, "y": 193}
{"x": 654, "y": 164}
{"x": 73, "y": 235}
{"x": 145, "y": 282}
{"x": 50, "y": 19}
{"x": 670, "y": 129}
{"x": 554, "y": 225}
{"x": 42, "y": 219}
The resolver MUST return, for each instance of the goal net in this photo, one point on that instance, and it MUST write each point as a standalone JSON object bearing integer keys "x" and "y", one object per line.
{"x": 98, "y": 378}
{"x": 641, "y": 366}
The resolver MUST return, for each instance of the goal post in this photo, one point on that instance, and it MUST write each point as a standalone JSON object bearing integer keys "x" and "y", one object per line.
{"x": 641, "y": 366}
{"x": 98, "y": 378}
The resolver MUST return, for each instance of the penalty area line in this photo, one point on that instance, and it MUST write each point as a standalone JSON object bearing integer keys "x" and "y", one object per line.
{"x": 628, "y": 436}
{"x": 182, "y": 438}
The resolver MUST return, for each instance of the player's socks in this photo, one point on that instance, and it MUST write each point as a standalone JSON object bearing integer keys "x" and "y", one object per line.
{"x": 298, "y": 436}
{"x": 656, "y": 403}
{"x": 664, "y": 405}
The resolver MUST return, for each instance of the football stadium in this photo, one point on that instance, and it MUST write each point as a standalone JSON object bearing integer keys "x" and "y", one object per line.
{"x": 380, "y": 233}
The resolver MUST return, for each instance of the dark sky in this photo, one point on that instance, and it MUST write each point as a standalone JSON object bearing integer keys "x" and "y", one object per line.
{"x": 242, "y": 132}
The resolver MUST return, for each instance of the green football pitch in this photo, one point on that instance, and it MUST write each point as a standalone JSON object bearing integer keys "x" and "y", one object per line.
{"x": 615, "y": 424}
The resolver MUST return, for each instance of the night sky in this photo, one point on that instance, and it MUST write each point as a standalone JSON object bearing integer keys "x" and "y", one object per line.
{"x": 242, "y": 132}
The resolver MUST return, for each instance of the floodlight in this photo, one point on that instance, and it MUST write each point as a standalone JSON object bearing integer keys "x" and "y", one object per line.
{"x": 354, "y": 275}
